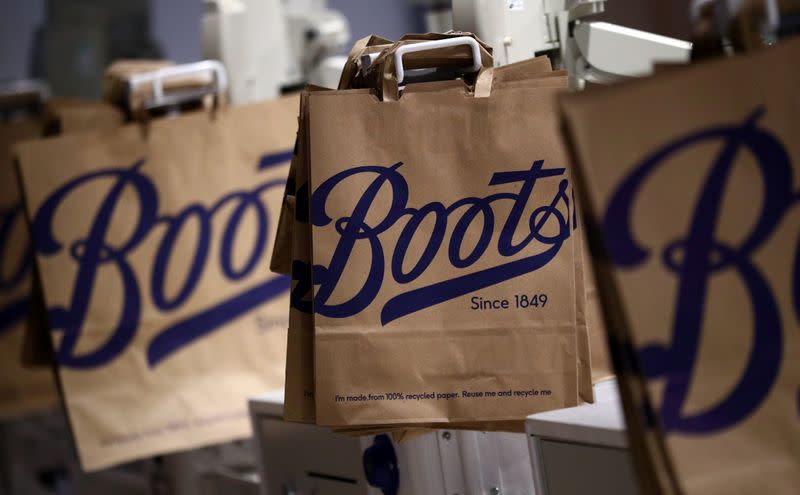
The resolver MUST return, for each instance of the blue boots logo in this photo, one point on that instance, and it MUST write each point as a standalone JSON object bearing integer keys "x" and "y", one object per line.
{"x": 699, "y": 256}
{"x": 548, "y": 226}
{"x": 95, "y": 254}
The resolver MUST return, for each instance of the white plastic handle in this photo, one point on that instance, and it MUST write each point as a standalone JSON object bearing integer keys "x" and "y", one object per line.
{"x": 433, "y": 45}
{"x": 156, "y": 78}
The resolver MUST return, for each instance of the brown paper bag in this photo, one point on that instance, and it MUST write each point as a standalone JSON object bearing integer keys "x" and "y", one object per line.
{"x": 29, "y": 385}
{"x": 299, "y": 405}
{"x": 299, "y": 398}
{"x": 23, "y": 389}
{"x": 601, "y": 366}
{"x": 68, "y": 115}
{"x": 281, "y": 261}
{"x": 691, "y": 180}
{"x": 153, "y": 250}
{"x": 61, "y": 116}
{"x": 424, "y": 321}
{"x": 292, "y": 252}
{"x": 352, "y": 78}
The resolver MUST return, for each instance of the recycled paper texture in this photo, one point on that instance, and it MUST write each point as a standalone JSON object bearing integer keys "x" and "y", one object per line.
{"x": 68, "y": 115}
{"x": 299, "y": 402}
{"x": 23, "y": 389}
{"x": 153, "y": 246}
{"x": 444, "y": 274}
{"x": 693, "y": 178}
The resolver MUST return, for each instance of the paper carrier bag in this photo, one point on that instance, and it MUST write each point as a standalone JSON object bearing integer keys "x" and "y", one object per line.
{"x": 68, "y": 115}
{"x": 153, "y": 245}
{"x": 443, "y": 255}
{"x": 691, "y": 180}
{"x": 292, "y": 252}
{"x": 281, "y": 261}
{"x": 60, "y": 116}
{"x": 27, "y": 384}
{"x": 23, "y": 389}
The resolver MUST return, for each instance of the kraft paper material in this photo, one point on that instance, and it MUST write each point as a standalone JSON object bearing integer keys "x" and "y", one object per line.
{"x": 153, "y": 249}
{"x": 690, "y": 180}
{"x": 399, "y": 336}
{"x": 23, "y": 389}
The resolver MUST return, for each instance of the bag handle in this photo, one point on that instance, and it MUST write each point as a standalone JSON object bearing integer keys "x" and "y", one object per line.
{"x": 211, "y": 70}
{"x": 460, "y": 52}
{"x": 352, "y": 67}
{"x": 434, "y": 45}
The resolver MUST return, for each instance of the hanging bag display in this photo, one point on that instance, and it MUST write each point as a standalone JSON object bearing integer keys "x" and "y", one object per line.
{"x": 153, "y": 244}
{"x": 23, "y": 389}
{"x": 690, "y": 183}
{"x": 444, "y": 283}
{"x": 27, "y": 383}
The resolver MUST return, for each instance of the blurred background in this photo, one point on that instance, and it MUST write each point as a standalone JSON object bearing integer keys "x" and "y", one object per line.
{"x": 68, "y": 43}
